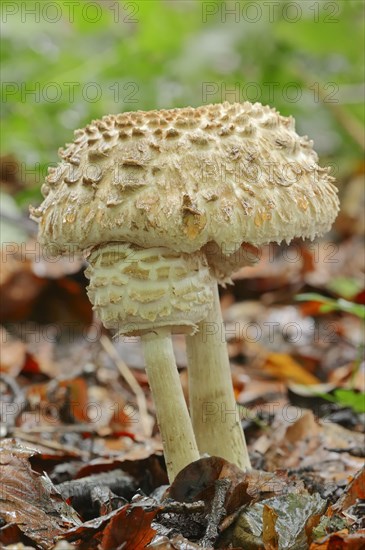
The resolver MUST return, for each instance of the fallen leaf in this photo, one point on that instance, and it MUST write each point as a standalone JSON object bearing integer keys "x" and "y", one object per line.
{"x": 31, "y": 365}
{"x": 307, "y": 443}
{"x": 13, "y": 354}
{"x": 177, "y": 542}
{"x": 286, "y": 515}
{"x": 306, "y": 426}
{"x": 77, "y": 398}
{"x": 270, "y": 537}
{"x": 11, "y": 534}
{"x": 341, "y": 540}
{"x": 30, "y": 501}
{"x": 284, "y": 367}
{"x": 20, "y": 288}
{"x": 197, "y": 482}
{"x": 354, "y": 491}
{"x": 89, "y": 531}
{"x": 143, "y": 461}
{"x": 130, "y": 529}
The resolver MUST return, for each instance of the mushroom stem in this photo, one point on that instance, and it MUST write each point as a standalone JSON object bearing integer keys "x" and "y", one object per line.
{"x": 173, "y": 418}
{"x": 213, "y": 407}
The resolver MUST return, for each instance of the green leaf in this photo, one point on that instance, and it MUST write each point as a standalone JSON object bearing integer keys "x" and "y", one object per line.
{"x": 329, "y": 304}
{"x": 311, "y": 297}
{"x": 329, "y": 525}
{"x": 346, "y": 287}
{"x": 351, "y": 307}
{"x": 351, "y": 398}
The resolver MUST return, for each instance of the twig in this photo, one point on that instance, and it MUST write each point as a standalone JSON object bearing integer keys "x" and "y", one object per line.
{"x": 132, "y": 382}
{"x": 51, "y": 444}
{"x": 218, "y": 510}
{"x": 354, "y": 451}
{"x": 65, "y": 428}
{"x": 175, "y": 507}
{"x": 117, "y": 481}
{"x": 19, "y": 400}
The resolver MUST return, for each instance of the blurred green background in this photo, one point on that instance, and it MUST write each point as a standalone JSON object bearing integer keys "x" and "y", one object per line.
{"x": 67, "y": 62}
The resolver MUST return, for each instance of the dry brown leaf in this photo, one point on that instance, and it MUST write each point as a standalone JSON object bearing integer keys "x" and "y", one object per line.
{"x": 305, "y": 426}
{"x": 341, "y": 540}
{"x": 270, "y": 537}
{"x": 284, "y": 367}
{"x": 292, "y": 440}
{"x": 197, "y": 482}
{"x": 30, "y": 501}
{"x": 13, "y": 354}
{"x": 129, "y": 529}
{"x": 354, "y": 491}
{"x": 308, "y": 443}
{"x": 19, "y": 286}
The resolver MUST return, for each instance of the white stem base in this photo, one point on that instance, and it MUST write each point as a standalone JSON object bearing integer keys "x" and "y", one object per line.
{"x": 213, "y": 408}
{"x": 173, "y": 418}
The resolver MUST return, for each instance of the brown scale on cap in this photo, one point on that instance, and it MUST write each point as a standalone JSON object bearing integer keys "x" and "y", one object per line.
{"x": 230, "y": 160}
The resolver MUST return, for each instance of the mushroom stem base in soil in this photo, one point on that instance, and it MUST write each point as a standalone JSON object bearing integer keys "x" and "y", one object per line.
{"x": 171, "y": 410}
{"x": 213, "y": 408}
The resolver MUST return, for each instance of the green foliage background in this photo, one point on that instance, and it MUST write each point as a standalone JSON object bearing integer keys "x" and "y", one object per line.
{"x": 164, "y": 53}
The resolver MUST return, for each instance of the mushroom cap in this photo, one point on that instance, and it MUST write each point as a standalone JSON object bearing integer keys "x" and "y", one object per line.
{"x": 182, "y": 178}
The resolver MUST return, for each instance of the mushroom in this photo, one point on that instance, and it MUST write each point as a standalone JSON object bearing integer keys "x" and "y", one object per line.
{"x": 153, "y": 292}
{"x": 165, "y": 205}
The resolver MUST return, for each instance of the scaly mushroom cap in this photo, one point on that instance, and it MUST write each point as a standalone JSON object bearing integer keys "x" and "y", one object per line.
{"x": 182, "y": 178}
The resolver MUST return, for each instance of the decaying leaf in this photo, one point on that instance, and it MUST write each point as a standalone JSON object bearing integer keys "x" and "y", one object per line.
{"x": 341, "y": 540}
{"x": 270, "y": 537}
{"x": 127, "y": 528}
{"x": 197, "y": 482}
{"x": 284, "y": 367}
{"x": 30, "y": 501}
{"x": 89, "y": 532}
{"x": 354, "y": 491}
{"x": 130, "y": 529}
{"x": 278, "y": 523}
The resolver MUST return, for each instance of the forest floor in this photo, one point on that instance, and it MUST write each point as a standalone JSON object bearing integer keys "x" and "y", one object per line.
{"x": 81, "y": 457}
